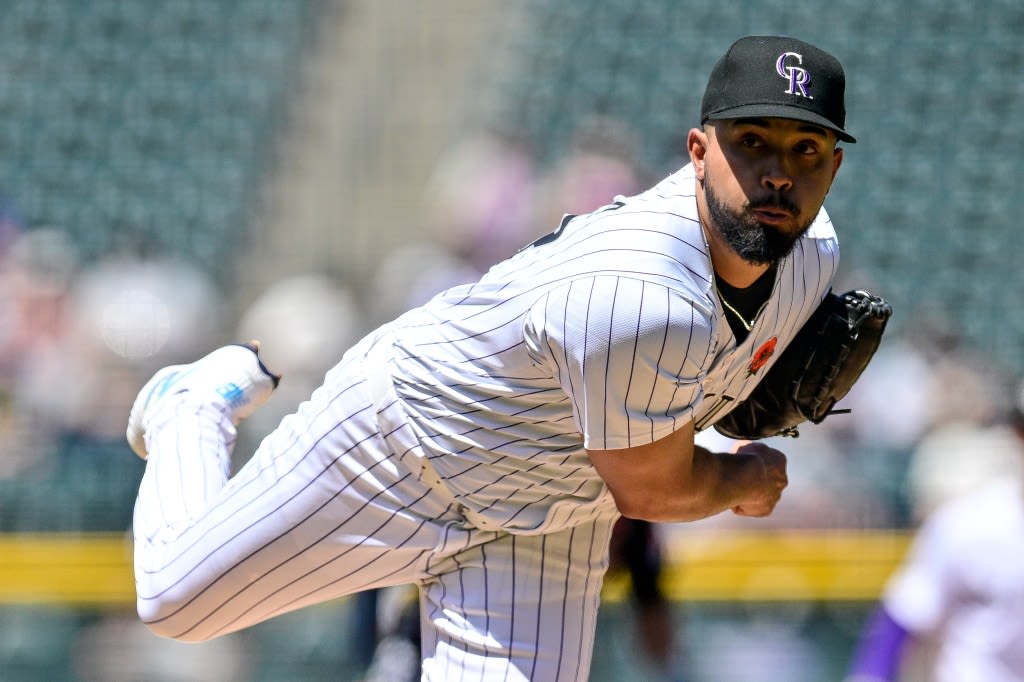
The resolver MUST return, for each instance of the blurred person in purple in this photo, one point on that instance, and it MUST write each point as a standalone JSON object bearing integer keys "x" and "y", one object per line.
{"x": 952, "y": 610}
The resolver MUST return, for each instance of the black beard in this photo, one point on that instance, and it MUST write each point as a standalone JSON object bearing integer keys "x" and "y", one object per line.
{"x": 753, "y": 241}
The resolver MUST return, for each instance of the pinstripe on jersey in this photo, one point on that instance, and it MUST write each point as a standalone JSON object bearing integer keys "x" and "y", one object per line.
{"x": 334, "y": 502}
{"x": 607, "y": 335}
{"x": 447, "y": 448}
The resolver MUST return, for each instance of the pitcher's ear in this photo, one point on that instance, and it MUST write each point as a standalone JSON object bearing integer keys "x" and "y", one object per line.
{"x": 697, "y": 147}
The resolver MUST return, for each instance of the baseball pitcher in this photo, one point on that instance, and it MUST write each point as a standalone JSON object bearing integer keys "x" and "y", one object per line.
{"x": 483, "y": 445}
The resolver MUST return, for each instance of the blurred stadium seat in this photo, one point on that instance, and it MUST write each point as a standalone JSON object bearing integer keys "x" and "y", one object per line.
{"x": 139, "y": 125}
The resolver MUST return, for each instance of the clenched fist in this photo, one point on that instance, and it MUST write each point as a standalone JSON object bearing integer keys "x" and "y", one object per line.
{"x": 768, "y": 465}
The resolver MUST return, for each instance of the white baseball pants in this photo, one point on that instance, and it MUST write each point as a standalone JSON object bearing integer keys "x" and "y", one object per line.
{"x": 333, "y": 502}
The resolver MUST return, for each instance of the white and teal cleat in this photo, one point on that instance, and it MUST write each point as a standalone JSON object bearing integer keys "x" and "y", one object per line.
{"x": 233, "y": 376}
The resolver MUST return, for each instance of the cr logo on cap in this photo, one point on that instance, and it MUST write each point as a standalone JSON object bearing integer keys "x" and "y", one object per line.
{"x": 799, "y": 78}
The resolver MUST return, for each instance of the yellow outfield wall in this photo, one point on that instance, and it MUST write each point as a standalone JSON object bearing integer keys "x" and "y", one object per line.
{"x": 94, "y": 570}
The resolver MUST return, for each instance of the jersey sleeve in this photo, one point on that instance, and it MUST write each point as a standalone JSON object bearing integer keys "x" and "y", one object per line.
{"x": 630, "y": 354}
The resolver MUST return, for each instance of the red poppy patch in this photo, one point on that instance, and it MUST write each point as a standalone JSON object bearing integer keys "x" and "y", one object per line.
{"x": 763, "y": 354}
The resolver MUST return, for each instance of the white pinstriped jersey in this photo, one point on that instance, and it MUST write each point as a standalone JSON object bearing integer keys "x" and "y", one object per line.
{"x": 606, "y": 334}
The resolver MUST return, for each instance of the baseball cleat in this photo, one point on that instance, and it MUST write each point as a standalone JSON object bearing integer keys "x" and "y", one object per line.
{"x": 233, "y": 376}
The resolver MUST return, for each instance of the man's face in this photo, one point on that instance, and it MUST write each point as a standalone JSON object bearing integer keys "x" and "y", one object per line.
{"x": 764, "y": 181}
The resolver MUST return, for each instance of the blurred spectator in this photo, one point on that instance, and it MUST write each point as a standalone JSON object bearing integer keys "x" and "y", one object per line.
{"x": 980, "y": 388}
{"x": 480, "y": 199}
{"x": 914, "y": 372}
{"x": 482, "y": 194}
{"x": 957, "y": 458}
{"x": 128, "y": 316}
{"x": 79, "y": 340}
{"x": 899, "y": 374}
{"x": 409, "y": 275}
{"x": 76, "y": 340}
{"x": 954, "y": 606}
{"x": 35, "y": 279}
{"x": 304, "y": 322}
{"x": 600, "y": 163}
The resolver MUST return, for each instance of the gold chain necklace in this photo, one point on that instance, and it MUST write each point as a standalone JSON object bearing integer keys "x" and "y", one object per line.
{"x": 746, "y": 325}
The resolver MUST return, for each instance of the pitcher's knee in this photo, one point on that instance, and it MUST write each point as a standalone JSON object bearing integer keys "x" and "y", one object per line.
{"x": 165, "y": 619}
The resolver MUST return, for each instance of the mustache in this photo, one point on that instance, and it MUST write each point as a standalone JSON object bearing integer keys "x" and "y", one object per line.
{"x": 775, "y": 201}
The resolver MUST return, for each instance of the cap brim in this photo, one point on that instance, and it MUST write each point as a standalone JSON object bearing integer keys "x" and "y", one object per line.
{"x": 780, "y": 111}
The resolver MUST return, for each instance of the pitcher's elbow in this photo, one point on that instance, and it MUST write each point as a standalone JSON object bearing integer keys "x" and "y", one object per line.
{"x": 662, "y": 510}
{"x": 640, "y": 508}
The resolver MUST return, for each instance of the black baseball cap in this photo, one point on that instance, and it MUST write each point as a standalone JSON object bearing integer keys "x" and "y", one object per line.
{"x": 778, "y": 77}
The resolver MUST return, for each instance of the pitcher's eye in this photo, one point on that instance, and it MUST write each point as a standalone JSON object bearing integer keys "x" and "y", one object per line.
{"x": 806, "y": 148}
{"x": 751, "y": 141}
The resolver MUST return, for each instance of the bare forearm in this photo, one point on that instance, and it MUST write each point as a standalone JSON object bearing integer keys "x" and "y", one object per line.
{"x": 720, "y": 481}
{"x": 674, "y": 480}
{"x": 716, "y": 483}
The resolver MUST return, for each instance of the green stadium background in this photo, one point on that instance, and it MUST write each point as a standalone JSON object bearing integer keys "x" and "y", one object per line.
{"x": 259, "y": 139}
